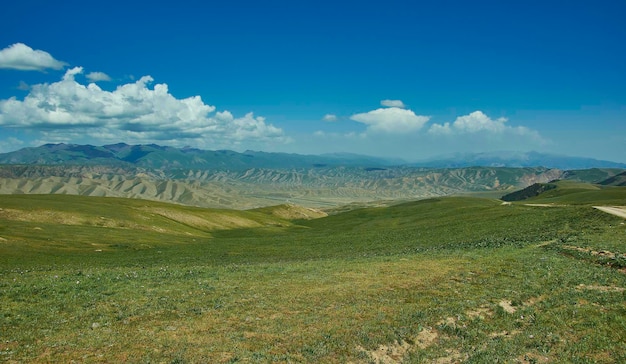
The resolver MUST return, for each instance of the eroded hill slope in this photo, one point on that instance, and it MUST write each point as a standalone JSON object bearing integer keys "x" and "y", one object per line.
{"x": 257, "y": 187}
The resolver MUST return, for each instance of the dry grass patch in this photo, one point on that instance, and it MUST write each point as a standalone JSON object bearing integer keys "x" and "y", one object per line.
{"x": 533, "y": 358}
{"x": 480, "y": 313}
{"x": 43, "y": 216}
{"x": 507, "y": 307}
{"x": 604, "y": 253}
{"x": 293, "y": 212}
{"x": 209, "y": 222}
{"x": 301, "y": 312}
{"x": 73, "y": 219}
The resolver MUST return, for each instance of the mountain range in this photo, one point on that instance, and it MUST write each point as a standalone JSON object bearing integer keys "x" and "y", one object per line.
{"x": 251, "y": 179}
{"x": 164, "y": 157}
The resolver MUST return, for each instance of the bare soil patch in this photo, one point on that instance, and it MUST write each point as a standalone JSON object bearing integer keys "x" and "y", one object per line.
{"x": 542, "y": 205}
{"x": 504, "y": 333}
{"x": 394, "y": 353}
{"x": 480, "y": 313}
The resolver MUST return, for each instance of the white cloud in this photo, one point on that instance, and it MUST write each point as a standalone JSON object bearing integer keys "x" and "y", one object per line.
{"x": 440, "y": 129}
{"x": 98, "y": 76}
{"x": 396, "y": 132}
{"x": 224, "y": 116}
{"x": 19, "y": 56}
{"x": 478, "y": 122}
{"x": 131, "y": 113}
{"x": 393, "y": 103}
{"x": 330, "y": 117}
{"x": 338, "y": 136}
{"x": 391, "y": 120}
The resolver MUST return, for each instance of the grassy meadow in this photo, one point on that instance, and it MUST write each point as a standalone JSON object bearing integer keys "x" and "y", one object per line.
{"x": 85, "y": 279}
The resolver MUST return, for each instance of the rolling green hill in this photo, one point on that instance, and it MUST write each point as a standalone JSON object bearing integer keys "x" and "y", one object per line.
{"x": 448, "y": 279}
{"x": 569, "y": 192}
{"x": 59, "y": 224}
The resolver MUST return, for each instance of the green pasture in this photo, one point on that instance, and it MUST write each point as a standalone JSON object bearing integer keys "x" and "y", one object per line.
{"x": 444, "y": 280}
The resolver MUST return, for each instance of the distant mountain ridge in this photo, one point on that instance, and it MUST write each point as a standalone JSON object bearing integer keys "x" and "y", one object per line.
{"x": 164, "y": 157}
{"x": 517, "y": 159}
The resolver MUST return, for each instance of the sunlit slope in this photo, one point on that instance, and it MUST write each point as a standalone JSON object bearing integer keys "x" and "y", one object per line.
{"x": 133, "y": 184}
{"x": 291, "y": 212}
{"x": 127, "y": 213}
{"x": 78, "y": 223}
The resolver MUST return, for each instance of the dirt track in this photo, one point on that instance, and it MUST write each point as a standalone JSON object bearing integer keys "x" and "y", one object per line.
{"x": 613, "y": 210}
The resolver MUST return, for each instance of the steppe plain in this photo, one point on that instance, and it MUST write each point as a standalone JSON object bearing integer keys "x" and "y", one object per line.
{"x": 439, "y": 279}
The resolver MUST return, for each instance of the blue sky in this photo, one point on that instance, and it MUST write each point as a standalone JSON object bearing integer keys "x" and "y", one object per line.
{"x": 406, "y": 79}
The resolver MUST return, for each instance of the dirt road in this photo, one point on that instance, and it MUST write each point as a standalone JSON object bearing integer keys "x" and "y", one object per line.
{"x": 614, "y": 210}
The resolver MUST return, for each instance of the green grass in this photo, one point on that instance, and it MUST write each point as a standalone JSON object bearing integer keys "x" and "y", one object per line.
{"x": 579, "y": 193}
{"x": 419, "y": 281}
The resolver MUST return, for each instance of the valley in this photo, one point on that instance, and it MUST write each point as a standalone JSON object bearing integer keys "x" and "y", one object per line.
{"x": 445, "y": 279}
{"x": 135, "y": 257}
{"x": 313, "y": 187}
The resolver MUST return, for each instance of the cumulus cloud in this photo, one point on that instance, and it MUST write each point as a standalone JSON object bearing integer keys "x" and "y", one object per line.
{"x": 98, "y": 76}
{"x": 478, "y": 122}
{"x": 19, "y": 56}
{"x": 330, "y": 117}
{"x": 393, "y": 103}
{"x": 394, "y": 132}
{"x": 393, "y": 120}
{"x": 133, "y": 112}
